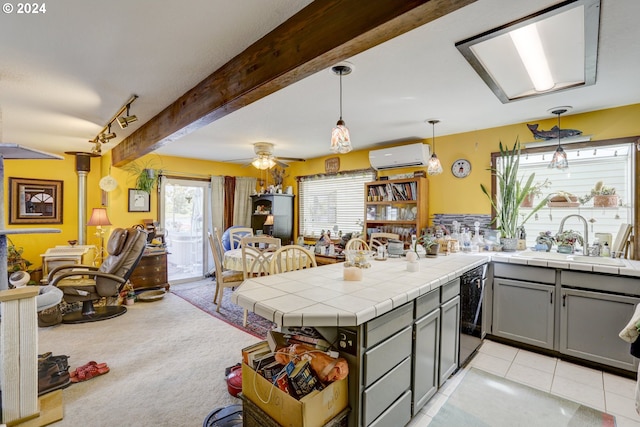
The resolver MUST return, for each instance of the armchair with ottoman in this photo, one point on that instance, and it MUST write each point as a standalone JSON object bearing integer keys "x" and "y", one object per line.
{"x": 87, "y": 283}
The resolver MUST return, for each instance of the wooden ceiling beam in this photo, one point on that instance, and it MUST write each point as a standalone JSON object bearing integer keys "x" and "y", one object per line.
{"x": 320, "y": 35}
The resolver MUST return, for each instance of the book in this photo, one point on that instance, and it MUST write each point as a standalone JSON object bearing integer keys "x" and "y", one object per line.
{"x": 261, "y": 360}
{"x": 272, "y": 370}
{"x": 277, "y": 340}
{"x": 259, "y": 346}
{"x": 256, "y": 355}
{"x": 302, "y": 380}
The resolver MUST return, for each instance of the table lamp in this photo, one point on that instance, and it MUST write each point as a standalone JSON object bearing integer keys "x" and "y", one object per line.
{"x": 98, "y": 219}
{"x": 268, "y": 225}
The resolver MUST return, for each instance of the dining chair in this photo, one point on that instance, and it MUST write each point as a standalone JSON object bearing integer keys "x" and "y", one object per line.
{"x": 237, "y": 233}
{"x": 356, "y": 244}
{"x": 381, "y": 239}
{"x": 224, "y": 278}
{"x": 290, "y": 258}
{"x": 256, "y": 255}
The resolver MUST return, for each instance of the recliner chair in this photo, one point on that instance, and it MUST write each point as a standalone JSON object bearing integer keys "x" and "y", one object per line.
{"x": 125, "y": 248}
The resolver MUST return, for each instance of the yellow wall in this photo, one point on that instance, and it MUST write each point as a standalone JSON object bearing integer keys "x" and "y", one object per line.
{"x": 446, "y": 193}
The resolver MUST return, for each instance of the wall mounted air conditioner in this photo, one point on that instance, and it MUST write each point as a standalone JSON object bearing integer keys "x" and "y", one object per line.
{"x": 411, "y": 155}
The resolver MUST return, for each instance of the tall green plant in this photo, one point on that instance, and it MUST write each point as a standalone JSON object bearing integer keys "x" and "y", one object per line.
{"x": 511, "y": 191}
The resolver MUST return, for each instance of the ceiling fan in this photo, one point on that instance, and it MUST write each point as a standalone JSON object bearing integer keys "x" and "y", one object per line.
{"x": 266, "y": 160}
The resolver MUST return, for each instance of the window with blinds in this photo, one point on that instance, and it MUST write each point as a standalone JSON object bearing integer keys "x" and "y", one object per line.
{"x": 613, "y": 165}
{"x": 332, "y": 202}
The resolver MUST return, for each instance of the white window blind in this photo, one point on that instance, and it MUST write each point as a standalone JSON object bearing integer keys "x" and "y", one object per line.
{"x": 330, "y": 200}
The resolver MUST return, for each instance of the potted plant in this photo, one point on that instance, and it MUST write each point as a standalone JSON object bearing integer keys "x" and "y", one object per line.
{"x": 146, "y": 176}
{"x": 567, "y": 240}
{"x": 545, "y": 241}
{"x": 603, "y": 196}
{"x": 430, "y": 244}
{"x": 536, "y": 191}
{"x": 511, "y": 191}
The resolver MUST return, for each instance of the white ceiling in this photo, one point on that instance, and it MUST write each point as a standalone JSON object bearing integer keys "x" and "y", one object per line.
{"x": 65, "y": 73}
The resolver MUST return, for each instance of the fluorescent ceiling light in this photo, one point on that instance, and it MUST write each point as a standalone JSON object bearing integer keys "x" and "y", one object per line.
{"x": 567, "y": 41}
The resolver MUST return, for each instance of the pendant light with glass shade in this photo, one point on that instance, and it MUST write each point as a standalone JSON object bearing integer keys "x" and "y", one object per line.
{"x": 559, "y": 160}
{"x": 340, "y": 138}
{"x": 433, "y": 166}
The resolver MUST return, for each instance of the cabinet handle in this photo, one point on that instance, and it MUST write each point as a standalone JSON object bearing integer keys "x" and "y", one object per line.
{"x": 564, "y": 300}
{"x": 551, "y": 297}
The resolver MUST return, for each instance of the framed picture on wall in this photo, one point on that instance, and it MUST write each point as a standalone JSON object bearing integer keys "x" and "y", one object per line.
{"x": 139, "y": 201}
{"x": 35, "y": 201}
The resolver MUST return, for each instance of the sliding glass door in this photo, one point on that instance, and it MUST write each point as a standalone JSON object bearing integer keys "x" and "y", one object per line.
{"x": 184, "y": 215}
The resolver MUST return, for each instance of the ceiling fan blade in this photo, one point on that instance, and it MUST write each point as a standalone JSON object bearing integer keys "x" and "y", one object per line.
{"x": 281, "y": 164}
{"x": 291, "y": 159}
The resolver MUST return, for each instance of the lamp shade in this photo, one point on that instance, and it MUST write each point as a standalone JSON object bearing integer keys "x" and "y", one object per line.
{"x": 99, "y": 217}
{"x": 269, "y": 220}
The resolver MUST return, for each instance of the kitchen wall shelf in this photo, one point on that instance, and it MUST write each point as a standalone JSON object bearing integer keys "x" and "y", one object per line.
{"x": 396, "y": 206}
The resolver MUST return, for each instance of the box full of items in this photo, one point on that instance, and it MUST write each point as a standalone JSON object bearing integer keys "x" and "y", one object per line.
{"x": 296, "y": 379}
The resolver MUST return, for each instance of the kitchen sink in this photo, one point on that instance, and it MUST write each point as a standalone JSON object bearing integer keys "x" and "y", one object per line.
{"x": 555, "y": 256}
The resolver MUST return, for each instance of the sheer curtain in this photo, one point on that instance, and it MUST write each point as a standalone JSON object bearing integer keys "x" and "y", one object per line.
{"x": 245, "y": 187}
{"x": 217, "y": 203}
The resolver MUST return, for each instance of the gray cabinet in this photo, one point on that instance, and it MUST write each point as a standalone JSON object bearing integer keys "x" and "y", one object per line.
{"x": 278, "y": 205}
{"x": 426, "y": 349}
{"x": 523, "y": 312}
{"x": 449, "y": 338}
{"x": 590, "y": 323}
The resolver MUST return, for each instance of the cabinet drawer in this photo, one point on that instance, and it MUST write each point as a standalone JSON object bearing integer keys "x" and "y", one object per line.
{"x": 525, "y": 273}
{"x": 450, "y": 290}
{"x": 386, "y": 390}
{"x": 380, "y": 359}
{"x": 428, "y": 302}
{"x": 398, "y": 414}
{"x": 388, "y": 324}
{"x": 600, "y": 282}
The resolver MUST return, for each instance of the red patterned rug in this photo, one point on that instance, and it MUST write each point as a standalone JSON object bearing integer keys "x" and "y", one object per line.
{"x": 200, "y": 294}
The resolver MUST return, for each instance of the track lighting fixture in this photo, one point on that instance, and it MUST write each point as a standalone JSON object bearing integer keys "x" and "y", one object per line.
{"x": 105, "y": 135}
{"x": 128, "y": 119}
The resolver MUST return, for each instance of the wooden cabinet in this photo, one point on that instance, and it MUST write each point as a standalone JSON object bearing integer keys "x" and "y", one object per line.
{"x": 280, "y": 206}
{"x": 396, "y": 206}
{"x": 151, "y": 272}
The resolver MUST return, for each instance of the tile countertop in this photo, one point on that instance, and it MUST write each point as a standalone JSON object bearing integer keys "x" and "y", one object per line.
{"x": 320, "y": 297}
{"x": 627, "y": 267}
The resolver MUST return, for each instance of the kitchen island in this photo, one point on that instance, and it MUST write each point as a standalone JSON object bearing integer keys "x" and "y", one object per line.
{"x": 397, "y": 329}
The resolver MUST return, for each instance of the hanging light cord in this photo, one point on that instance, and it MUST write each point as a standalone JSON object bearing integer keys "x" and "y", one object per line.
{"x": 433, "y": 135}
{"x": 559, "y": 128}
{"x": 340, "y": 94}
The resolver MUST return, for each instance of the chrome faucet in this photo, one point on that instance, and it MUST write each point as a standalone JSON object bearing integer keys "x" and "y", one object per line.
{"x": 585, "y": 248}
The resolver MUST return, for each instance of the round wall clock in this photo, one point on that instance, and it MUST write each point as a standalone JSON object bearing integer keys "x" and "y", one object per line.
{"x": 461, "y": 168}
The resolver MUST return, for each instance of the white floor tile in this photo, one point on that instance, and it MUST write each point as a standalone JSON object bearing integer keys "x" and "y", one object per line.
{"x": 536, "y": 361}
{"x": 433, "y": 406}
{"x": 420, "y": 420}
{"x": 492, "y": 364}
{"x": 619, "y": 405}
{"x": 578, "y": 392}
{"x": 619, "y": 385}
{"x": 581, "y": 374}
{"x": 530, "y": 376}
{"x": 626, "y": 422}
{"x": 498, "y": 350}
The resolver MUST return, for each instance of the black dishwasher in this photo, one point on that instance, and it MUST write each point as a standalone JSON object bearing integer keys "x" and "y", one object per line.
{"x": 471, "y": 294}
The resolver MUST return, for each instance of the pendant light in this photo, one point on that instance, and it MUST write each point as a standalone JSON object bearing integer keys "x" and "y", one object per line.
{"x": 559, "y": 160}
{"x": 433, "y": 166}
{"x": 340, "y": 139}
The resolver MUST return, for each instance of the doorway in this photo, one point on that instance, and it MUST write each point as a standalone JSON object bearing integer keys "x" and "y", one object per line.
{"x": 183, "y": 215}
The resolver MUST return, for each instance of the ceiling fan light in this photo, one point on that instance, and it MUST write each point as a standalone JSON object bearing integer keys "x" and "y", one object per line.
{"x": 263, "y": 163}
{"x": 433, "y": 166}
{"x": 340, "y": 139}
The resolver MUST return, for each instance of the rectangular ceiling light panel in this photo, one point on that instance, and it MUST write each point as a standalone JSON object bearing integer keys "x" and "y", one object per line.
{"x": 565, "y": 46}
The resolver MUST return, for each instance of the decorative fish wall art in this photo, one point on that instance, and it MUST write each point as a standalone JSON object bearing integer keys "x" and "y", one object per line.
{"x": 552, "y": 133}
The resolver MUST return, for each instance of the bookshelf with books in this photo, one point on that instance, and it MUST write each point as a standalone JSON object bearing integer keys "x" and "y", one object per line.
{"x": 397, "y": 206}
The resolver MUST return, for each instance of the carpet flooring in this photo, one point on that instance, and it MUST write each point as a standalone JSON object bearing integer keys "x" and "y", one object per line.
{"x": 486, "y": 400}
{"x": 200, "y": 293}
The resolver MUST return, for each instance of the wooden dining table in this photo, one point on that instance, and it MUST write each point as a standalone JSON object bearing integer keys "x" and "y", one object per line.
{"x": 232, "y": 260}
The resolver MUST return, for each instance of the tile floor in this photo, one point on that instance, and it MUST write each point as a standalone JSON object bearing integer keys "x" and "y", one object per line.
{"x": 600, "y": 390}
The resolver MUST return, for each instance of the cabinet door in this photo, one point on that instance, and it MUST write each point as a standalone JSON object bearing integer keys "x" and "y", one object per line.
{"x": 449, "y": 338}
{"x": 589, "y": 327}
{"x": 426, "y": 348}
{"x": 523, "y": 312}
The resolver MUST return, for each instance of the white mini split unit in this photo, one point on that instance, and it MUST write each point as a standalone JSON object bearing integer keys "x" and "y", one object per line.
{"x": 404, "y": 156}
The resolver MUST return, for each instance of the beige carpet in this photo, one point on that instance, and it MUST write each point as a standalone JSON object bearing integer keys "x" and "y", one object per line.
{"x": 167, "y": 361}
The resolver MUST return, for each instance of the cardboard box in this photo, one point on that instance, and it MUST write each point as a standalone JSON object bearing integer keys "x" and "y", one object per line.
{"x": 314, "y": 410}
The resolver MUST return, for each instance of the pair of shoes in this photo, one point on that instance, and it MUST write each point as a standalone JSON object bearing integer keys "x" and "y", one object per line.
{"x": 88, "y": 371}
